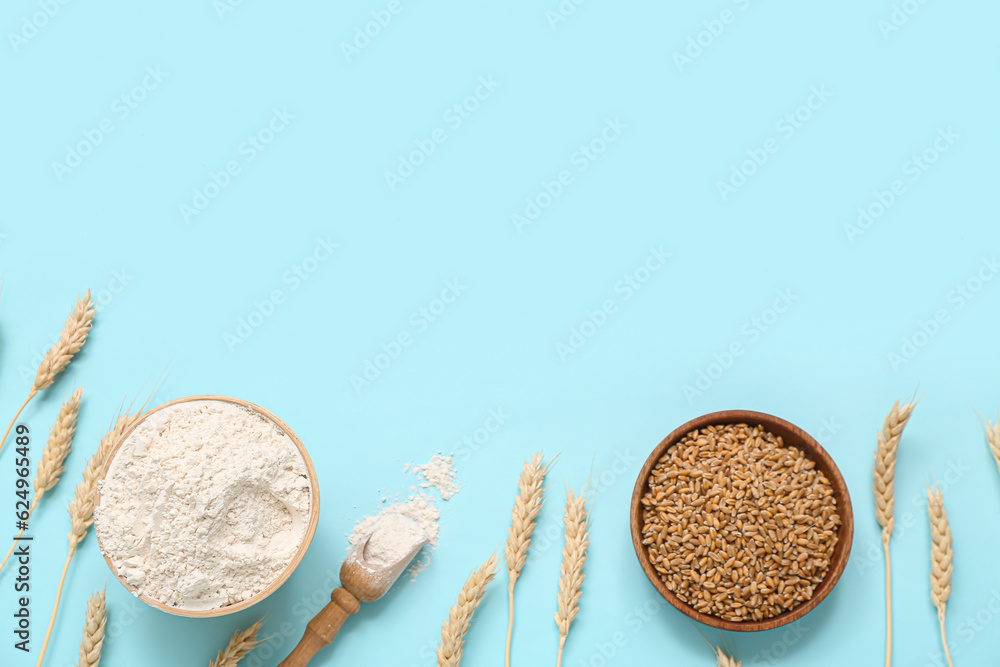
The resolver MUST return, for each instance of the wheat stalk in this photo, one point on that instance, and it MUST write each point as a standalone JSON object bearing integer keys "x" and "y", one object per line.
{"x": 527, "y": 505}
{"x": 50, "y": 466}
{"x": 74, "y": 335}
{"x": 941, "y": 559}
{"x": 93, "y": 631}
{"x": 453, "y": 631}
{"x": 81, "y": 508}
{"x": 574, "y": 558}
{"x": 884, "y": 474}
{"x": 725, "y": 660}
{"x": 239, "y": 646}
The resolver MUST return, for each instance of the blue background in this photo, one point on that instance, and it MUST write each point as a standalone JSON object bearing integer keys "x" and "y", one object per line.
{"x": 175, "y": 285}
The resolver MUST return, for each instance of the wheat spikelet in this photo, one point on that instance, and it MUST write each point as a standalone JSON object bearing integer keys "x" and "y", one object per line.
{"x": 574, "y": 558}
{"x": 993, "y": 439}
{"x": 885, "y": 464}
{"x": 93, "y": 631}
{"x": 50, "y": 465}
{"x": 74, "y": 335}
{"x": 941, "y": 558}
{"x": 527, "y": 505}
{"x": 239, "y": 646}
{"x": 81, "y": 507}
{"x": 449, "y": 654}
{"x": 884, "y": 474}
{"x": 725, "y": 660}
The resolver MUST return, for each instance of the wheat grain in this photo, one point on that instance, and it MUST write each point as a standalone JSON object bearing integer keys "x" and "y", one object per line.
{"x": 449, "y": 653}
{"x": 50, "y": 465}
{"x": 738, "y": 525}
{"x": 242, "y": 643}
{"x": 942, "y": 557}
{"x": 527, "y": 505}
{"x": 74, "y": 335}
{"x": 884, "y": 487}
{"x": 93, "y": 631}
{"x": 725, "y": 660}
{"x": 571, "y": 573}
{"x": 81, "y": 507}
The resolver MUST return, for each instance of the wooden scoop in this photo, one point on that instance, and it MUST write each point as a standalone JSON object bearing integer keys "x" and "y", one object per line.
{"x": 361, "y": 580}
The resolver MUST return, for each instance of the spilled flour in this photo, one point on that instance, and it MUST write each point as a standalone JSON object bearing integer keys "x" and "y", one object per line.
{"x": 439, "y": 473}
{"x": 204, "y": 505}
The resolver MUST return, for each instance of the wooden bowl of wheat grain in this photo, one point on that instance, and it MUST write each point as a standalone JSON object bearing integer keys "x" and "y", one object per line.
{"x": 310, "y": 530}
{"x": 791, "y": 436}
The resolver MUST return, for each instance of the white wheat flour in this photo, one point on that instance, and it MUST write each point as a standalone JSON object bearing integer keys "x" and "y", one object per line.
{"x": 205, "y": 505}
{"x": 394, "y": 537}
{"x": 420, "y": 508}
{"x": 439, "y": 473}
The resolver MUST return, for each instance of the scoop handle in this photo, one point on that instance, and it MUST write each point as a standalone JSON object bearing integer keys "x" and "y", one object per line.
{"x": 323, "y": 628}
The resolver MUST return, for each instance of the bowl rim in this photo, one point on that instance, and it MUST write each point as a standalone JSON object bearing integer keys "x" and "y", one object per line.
{"x": 299, "y": 554}
{"x": 814, "y": 451}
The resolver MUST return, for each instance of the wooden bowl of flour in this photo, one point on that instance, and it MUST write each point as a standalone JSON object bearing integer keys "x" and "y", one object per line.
{"x": 303, "y": 546}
